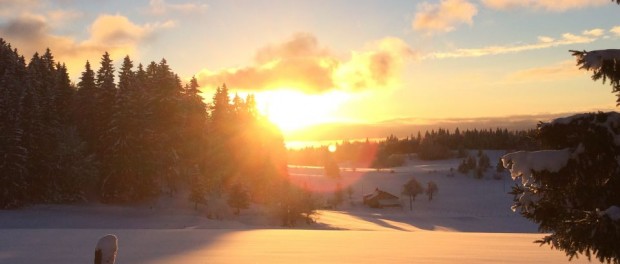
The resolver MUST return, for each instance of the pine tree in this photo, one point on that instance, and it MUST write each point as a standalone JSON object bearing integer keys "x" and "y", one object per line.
{"x": 13, "y": 151}
{"x": 104, "y": 102}
{"x": 579, "y": 204}
{"x": 41, "y": 127}
{"x": 167, "y": 119}
{"x": 194, "y": 140}
{"x": 125, "y": 161}
{"x": 84, "y": 111}
{"x": 220, "y": 147}
{"x": 572, "y": 203}
{"x": 238, "y": 198}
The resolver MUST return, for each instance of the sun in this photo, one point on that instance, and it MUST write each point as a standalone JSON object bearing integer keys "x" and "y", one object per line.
{"x": 292, "y": 110}
{"x": 332, "y": 148}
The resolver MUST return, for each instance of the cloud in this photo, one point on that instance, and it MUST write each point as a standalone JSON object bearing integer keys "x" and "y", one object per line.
{"x": 597, "y": 32}
{"x": 63, "y": 16}
{"x": 559, "y": 71}
{"x": 542, "y": 43}
{"x": 615, "y": 30}
{"x": 545, "y": 39}
{"x": 160, "y": 7}
{"x": 547, "y": 5}
{"x": 300, "y": 63}
{"x": 113, "y": 33}
{"x": 17, "y": 7}
{"x": 443, "y": 17}
{"x": 376, "y": 67}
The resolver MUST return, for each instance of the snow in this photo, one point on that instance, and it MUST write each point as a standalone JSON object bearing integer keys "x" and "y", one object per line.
{"x": 522, "y": 163}
{"x": 613, "y": 212}
{"x": 468, "y": 221}
{"x": 612, "y": 123}
{"x": 108, "y": 247}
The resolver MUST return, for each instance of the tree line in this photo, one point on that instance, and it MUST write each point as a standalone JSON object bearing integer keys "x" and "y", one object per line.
{"x": 130, "y": 135}
{"x": 433, "y": 145}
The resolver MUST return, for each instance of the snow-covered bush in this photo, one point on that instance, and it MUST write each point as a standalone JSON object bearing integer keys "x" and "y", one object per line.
{"x": 573, "y": 190}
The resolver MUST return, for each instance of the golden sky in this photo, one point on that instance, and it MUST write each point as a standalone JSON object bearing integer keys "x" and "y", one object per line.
{"x": 365, "y": 64}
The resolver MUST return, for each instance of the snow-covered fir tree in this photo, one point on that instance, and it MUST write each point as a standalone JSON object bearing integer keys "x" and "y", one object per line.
{"x": 572, "y": 189}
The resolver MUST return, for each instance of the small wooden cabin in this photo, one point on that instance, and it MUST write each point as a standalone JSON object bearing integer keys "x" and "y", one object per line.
{"x": 380, "y": 199}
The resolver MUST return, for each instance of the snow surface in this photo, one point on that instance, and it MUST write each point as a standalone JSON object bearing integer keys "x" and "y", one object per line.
{"x": 468, "y": 221}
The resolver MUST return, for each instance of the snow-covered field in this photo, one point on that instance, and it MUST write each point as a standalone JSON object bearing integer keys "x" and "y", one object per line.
{"x": 468, "y": 221}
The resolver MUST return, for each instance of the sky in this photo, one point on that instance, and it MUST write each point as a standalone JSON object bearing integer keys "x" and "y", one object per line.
{"x": 365, "y": 66}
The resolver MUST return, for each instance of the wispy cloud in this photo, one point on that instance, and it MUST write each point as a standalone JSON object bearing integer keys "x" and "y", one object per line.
{"x": 546, "y": 5}
{"x": 596, "y": 32}
{"x": 542, "y": 43}
{"x": 300, "y": 63}
{"x": 559, "y": 71}
{"x": 444, "y": 16}
{"x": 160, "y": 7}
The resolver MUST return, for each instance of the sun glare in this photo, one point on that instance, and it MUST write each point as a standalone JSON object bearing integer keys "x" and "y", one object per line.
{"x": 292, "y": 110}
{"x": 332, "y": 148}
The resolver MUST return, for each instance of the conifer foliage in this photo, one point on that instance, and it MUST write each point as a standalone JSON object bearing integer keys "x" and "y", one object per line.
{"x": 42, "y": 157}
{"x": 129, "y": 135}
{"x": 575, "y": 203}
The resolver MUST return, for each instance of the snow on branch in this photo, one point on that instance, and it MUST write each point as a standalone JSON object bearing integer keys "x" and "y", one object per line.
{"x": 523, "y": 163}
{"x": 611, "y": 123}
{"x": 613, "y": 212}
{"x": 604, "y": 64}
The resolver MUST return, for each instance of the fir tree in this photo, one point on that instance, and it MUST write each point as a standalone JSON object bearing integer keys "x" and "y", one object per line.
{"x": 104, "y": 102}
{"x": 84, "y": 110}
{"x": 238, "y": 198}
{"x": 13, "y": 151}
{"x": 571, "y": 203}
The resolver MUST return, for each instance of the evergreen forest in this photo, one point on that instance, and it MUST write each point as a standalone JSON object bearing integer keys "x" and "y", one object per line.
{"x": 433, "y": 145}
{"x": 129, "y": 135}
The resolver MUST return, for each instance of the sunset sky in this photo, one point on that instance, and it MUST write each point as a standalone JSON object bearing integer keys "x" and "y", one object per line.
{"x": 366, "y": 63}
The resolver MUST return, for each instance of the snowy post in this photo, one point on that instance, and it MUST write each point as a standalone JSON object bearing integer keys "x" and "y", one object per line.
{"x": 105, "y": 251}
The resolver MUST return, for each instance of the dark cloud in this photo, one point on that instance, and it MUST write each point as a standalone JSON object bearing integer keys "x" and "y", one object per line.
{"x": 27, "y": 28}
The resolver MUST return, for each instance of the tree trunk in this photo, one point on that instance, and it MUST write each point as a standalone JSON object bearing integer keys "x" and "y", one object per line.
{"x": 410, "y": 202}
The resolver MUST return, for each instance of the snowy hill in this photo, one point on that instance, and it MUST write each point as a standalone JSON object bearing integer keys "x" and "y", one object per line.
{"x": 468, "y": 221}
